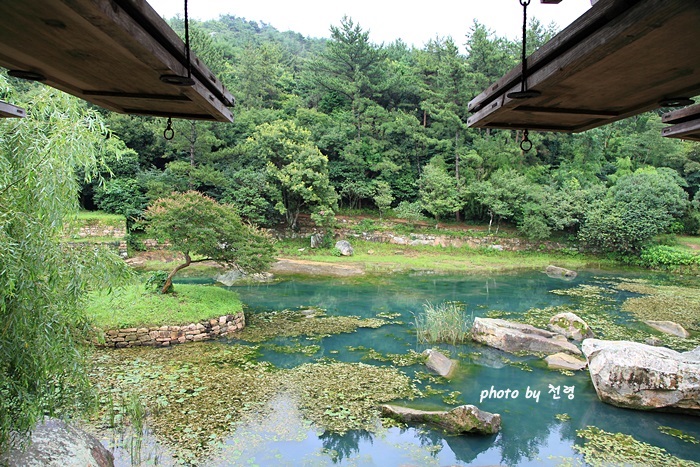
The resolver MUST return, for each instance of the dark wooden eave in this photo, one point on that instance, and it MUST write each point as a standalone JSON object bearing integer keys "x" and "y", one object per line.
{"x": 685, "y": 123}
{"x": 111, "y": 53}
{"x": 620, "y": 58}
{"x": 11, "y": 111}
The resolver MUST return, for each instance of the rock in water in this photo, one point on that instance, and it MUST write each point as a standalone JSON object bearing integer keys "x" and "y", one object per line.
{"x": 640, "y": 376}
{"x": 460, "y": 420}
{"x": 236, "y": 277}
{"x": 344, "y": 247}
{"x": 57, "y": 444}
{"x": 439, "y": 363}
{"x": 669, "y": 327}
{"x": 570, "y": 326}
{"x": 520, "y": 338}
{"x": 561, "y": 273}
{"x": 564, "y": 361}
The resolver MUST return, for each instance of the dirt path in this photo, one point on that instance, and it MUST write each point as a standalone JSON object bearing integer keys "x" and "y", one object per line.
{"x": 315, "y": 268}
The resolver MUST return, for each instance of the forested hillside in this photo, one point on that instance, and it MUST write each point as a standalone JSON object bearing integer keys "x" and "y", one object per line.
{"x": 344, "y": 123}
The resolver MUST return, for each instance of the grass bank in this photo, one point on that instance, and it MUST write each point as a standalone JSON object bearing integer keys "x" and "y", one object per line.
{"x": 379, "y": 258}
{"x": 133, "y": 306}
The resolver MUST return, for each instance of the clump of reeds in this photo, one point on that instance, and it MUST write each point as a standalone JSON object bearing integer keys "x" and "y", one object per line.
{"x": 447, "y": 322}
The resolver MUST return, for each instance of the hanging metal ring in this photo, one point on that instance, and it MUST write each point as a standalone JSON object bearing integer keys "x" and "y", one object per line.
{"x": 169, "y": 133}
{"x": 526, "y": 144}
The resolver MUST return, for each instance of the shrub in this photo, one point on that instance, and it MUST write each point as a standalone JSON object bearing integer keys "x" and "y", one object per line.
{"x": 668, "y": 257}
{"x": 446, "y": 322}
{"x": 410, "y": 211}
{"x": 156, "y": 281}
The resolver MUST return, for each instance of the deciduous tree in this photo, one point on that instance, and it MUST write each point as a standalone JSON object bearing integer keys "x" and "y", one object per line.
{"x": 196, "y": 225}
{"x": 43, "y": 282}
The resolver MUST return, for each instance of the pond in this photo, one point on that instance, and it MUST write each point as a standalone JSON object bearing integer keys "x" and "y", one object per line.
{"x": 539, "y": 424}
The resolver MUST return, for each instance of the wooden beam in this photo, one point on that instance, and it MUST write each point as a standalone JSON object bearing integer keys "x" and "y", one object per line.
{"x": 111, "y": 53}
{"x": 621, "y": 58}
{"x": 689, "y": 130}
{"x": 11, "y": 111}
{"x": 682, "y": 115}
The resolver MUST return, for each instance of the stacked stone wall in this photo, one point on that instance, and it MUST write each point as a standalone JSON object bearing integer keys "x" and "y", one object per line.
{"x": 164, "y": 336}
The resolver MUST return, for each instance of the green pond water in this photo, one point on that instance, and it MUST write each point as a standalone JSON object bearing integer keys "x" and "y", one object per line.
{"x": 534, "y": 429}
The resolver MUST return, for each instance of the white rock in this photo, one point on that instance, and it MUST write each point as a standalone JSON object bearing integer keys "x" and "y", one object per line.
{"x": 520, "y": 338}
{"x": 564, "y": 361}
{"x": 57, "y": 444}
{"x": 570, "y": 326}
{"x": 669, "y": 327}
{"x": 439, "y": 363}
{"x": 640, "y": 376}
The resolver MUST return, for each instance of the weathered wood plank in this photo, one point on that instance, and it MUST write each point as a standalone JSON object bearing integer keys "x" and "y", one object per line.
{"x": 111, "y": 53}
{"x": 682, "y": 115}
{"x": 11, "y": 111}
{"x": 574, "y": 34}
{"x": 689, "y": 130}
{"x": 649, "y": 52}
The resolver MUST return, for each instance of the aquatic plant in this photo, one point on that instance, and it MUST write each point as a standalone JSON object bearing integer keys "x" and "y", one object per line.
{"x": 664, "y": 302}
{"x": 198, "y": 393}
{"x": 339, "y": 397}
{"x": 605, "y": 449}
{"x": 447, "y": 322}
{"x": 667, "y": 430}
{"x": 294, "y": 323}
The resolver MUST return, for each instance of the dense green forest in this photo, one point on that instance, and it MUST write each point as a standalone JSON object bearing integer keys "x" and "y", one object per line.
{"x": 343, "y": 123}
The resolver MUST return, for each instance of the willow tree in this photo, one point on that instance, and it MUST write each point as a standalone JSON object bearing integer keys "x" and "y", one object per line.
{"x": 43, "y": 283}
{"x": 201, "y": 229}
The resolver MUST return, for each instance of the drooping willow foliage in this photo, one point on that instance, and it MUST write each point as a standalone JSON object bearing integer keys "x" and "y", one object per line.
{"x": 42, "y": 281}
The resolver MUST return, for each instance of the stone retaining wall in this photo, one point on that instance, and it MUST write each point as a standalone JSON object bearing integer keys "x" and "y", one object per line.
{"x": 101, "y": 231}
{"x": 164, "y": 336}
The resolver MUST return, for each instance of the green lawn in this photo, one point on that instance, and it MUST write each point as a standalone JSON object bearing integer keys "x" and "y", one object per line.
{"x": 133, "y": 306}
{"x": 384, "y": 257}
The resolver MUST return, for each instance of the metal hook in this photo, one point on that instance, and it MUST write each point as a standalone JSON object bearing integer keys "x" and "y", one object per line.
{"x": 169, "y": 133}
{"x": 526, "y": 144}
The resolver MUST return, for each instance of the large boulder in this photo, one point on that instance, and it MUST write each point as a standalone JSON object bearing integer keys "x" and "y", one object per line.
{"x": 669, "y": 327}
{"x": 460, "y": 420}
{"x": 344, "y": 247}
{"x": 57, "y": 444}
{"x": 518, "y": 338}
{"x": 560, "y": 273}
{"x": 570, "y": 326}
{"x": 640, "y": 376}
{"x": 439, "y": 363}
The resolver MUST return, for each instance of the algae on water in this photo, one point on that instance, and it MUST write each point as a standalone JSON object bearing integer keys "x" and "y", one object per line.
{"x": 664, "y": 303}
{"x": 603, "y": 449}
{"x": 196, "y": 394}
{"x": 294, "y": 323}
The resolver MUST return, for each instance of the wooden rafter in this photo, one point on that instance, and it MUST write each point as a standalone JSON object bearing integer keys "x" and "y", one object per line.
{"x": 11, "y": 111}
{"x": 111, "y": 53}
{"x": 621, "y": 58}
{"x": 685, "y": 123}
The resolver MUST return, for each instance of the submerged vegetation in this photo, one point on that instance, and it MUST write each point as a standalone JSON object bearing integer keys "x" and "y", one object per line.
{"x": 197, "y": 397}
{"x": 310, "y": 322}
{"x": 664, "y": 303}
{"x": 596, "y": 305}
{"x": 603, "y": 449}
